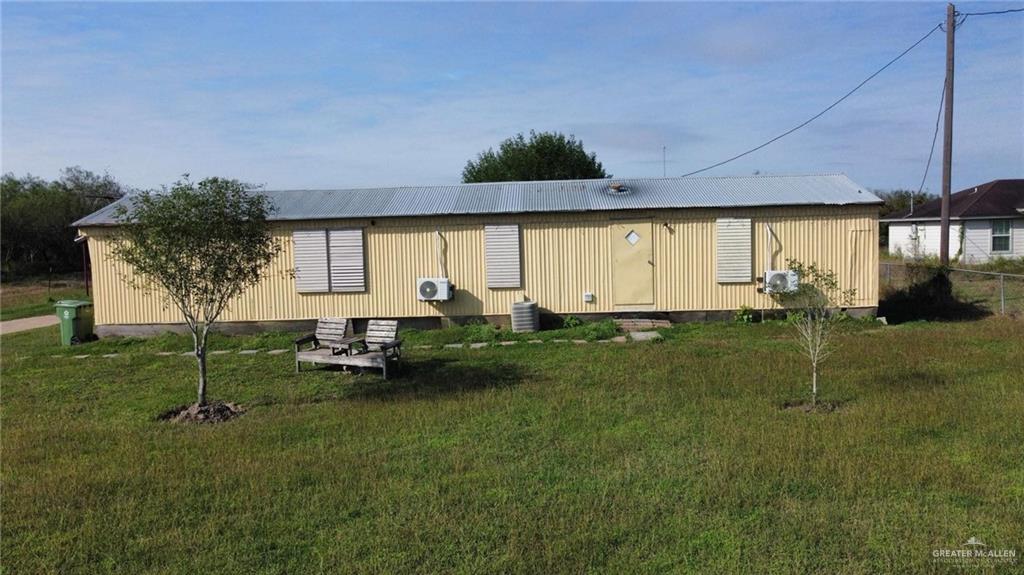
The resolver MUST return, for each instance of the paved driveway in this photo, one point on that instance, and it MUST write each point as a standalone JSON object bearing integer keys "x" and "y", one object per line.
{"x": 27, "y": 323}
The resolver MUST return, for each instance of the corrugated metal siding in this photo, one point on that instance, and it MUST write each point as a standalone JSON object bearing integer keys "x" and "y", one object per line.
{"x": 733, "y": 250}
{"x": 561, "y": 259}
{"x": 502, "y": 256}
{"x": 311, "y": 261}
{"x": 348, "y": 272}
{"x": 555, "y": 196}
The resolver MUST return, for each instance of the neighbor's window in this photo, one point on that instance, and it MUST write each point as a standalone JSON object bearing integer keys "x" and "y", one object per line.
{"x": 329, "y": 260}
{"x": 1000, "y": 235}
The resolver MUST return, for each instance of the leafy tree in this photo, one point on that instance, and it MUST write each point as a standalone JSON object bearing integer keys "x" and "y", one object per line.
{"x": 201, "y": 245}
{"x": 899, "y": 200}
{"x": 896, "y": 201}
{"x": 35, "y": 232}
{"x": 544, "y": 156}
{"x": 815, "y": 313}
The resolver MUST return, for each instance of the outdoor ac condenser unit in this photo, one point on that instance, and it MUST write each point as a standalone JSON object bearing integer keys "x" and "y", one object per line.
{"x": 780, "y": 281}
{"x": 433, "y": 289}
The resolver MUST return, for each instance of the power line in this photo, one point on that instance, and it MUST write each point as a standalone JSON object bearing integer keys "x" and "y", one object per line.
{"x": 935, "y": 137}
{"x": 991, "y": 13}
{"x": 956, "y": 25}
{"x": 821, "y": 113}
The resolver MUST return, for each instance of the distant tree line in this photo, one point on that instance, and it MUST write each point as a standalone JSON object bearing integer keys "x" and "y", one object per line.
{"x": 899, "y": 200}
{"x": 896, "y": 201}
{"x": 36, "y": 215}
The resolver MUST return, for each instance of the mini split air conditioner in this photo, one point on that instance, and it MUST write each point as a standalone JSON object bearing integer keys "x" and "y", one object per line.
{"x": 433, "y": 289}
{"x": 781, "y": 281}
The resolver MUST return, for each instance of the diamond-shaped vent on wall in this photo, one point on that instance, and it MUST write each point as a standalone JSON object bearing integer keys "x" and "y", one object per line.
{"x": 632, "y": 237}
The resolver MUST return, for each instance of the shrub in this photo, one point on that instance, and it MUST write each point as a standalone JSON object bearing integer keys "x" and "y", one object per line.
{"x": 928, "y": 296}
{"x": 571, "y": 321}
{"x": 744, "y": 315}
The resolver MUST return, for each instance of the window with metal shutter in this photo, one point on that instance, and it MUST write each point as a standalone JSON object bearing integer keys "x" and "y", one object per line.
{"x": 734, "y": 252}
{"x": 348, "y": 269}
{"x": 502, "y": 256}
{"x": 311, "y": 271}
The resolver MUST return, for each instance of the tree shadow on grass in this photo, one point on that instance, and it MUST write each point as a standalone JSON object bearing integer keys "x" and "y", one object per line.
{"x": 415, "y": 379}
{"x": 930, "y": 298}
{"x": 435, "y": 377}
{"x": 903, "y": 378}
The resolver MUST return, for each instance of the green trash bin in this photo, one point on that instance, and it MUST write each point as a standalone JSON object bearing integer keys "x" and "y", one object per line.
{"x": 75, "y": 320}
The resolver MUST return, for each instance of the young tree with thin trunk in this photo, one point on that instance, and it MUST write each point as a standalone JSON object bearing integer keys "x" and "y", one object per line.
{"x": 199, "y": 245}
{"x": 816, "y": 313}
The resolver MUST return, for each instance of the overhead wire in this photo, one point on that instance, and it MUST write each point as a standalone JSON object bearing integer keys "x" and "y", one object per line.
{"x": 935, "y": 137}
{"x": 994, "y": 12}
{"x": 821, "y": 113}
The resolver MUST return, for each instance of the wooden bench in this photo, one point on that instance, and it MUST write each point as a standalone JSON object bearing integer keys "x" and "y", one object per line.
{"x": 330, "y": 338}
{"x": 373, "y": 349}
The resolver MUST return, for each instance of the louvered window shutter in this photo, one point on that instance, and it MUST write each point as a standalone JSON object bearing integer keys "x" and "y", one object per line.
{"x": 502, "y": 256}
{"x": 310, "y": 261}
{"x": 734, "y": 252}
{"x": 348, "y": 266}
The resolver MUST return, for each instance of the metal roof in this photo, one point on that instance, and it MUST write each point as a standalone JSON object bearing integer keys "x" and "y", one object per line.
{"x": 553, "y": 196}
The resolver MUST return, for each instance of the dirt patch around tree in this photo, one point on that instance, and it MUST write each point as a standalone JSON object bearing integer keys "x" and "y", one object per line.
{"x": 805, "y": 406}
{"x": 216, "y": 412}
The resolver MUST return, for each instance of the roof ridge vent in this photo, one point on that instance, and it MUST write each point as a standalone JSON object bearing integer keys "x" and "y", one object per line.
{"x": 618, "y": 189}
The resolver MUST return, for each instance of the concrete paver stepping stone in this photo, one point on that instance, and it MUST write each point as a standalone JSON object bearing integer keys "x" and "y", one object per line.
{"x": 111, "y": 354}
{"x": 477, "y": 345}
{"x": 507, "y": 342}
{"x": 559, "y": 341}
{"x": 82, "y": 356}
{"x": 453, "y": 346}
{"x": 165, "y": 353}
{"x": 277, "y": 351}
{"x": 248, "y": 351}
{"x": 645, "y": 335}
{"x": 580, "y": 341}
{"x": 619, "y": 339}
{"x": 220, "y": 352}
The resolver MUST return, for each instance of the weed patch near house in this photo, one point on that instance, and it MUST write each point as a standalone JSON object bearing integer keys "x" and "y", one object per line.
{"x": 487, "y": 333}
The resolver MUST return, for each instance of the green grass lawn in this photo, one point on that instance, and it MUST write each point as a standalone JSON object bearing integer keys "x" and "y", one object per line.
{"x": 36, "y": 297}
{"x": 645, "y": 457}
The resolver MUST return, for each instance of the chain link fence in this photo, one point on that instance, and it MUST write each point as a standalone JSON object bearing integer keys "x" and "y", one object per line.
{"x": 996, "y": 292}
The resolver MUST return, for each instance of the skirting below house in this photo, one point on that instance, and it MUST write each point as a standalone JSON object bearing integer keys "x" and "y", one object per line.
{"x": 548, "y": 321}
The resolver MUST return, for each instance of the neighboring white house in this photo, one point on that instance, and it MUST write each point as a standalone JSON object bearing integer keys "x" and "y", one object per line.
{"x": 985, "y": 222}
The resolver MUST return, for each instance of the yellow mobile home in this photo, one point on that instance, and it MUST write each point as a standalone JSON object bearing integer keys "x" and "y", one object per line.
{"x": 682, "y": 248}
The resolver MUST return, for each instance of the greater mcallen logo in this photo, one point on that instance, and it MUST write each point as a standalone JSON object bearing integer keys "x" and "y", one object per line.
{"x": 974, "y": 551}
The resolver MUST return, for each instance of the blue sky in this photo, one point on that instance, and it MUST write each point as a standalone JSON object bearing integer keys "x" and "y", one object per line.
{"x": 327, "y": 95}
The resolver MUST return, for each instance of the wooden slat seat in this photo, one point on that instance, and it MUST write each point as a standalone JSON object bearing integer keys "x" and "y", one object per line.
{"x": 372, "y": 349}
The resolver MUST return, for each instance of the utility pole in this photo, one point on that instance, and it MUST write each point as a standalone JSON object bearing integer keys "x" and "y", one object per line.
{"x": 663, "y": 162}
{"x": 947, "y": 140}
